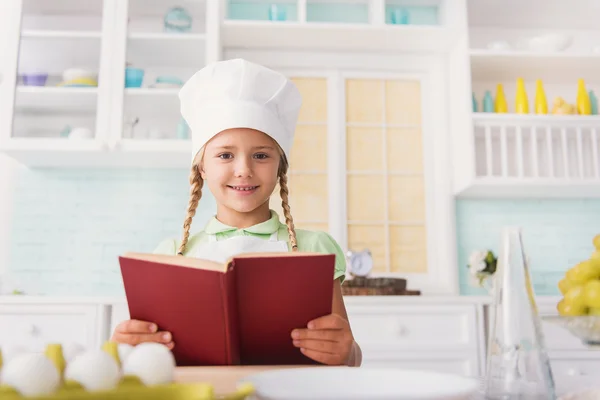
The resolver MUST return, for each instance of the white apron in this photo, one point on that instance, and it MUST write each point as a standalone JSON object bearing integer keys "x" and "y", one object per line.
{"x": 222, "y": 250}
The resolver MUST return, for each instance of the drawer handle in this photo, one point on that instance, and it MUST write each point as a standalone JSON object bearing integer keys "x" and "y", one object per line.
{"x": 575, "y": 372}
{"x": 403, "y": 331}
{"x": 34, "y": 330}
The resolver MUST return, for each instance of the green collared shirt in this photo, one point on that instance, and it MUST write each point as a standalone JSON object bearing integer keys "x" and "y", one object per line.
{"x": 308, "y": 241}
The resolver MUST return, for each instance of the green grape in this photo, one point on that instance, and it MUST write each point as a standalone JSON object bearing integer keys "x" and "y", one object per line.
{"x": 583, "y": 272}
{"x": 566, "y": 309}
{"x": 575, "y": 297}
{"x": 592, "y": 294}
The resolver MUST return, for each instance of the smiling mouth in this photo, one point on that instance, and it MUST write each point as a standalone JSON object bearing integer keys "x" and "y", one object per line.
{"x": 243, "y": 188}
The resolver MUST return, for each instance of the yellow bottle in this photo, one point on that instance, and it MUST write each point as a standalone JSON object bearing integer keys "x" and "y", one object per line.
{"x": 521, "y": 102}
{"x": 500, "y": 104}
{"x": 112, "y": 349}
{"x": 541, "y": 105}
{"x": 54, "y": 353}
{"x": 584, "y": 105}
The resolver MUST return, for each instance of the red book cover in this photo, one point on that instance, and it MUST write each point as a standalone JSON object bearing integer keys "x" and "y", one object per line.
{"x": 239, "y": 313}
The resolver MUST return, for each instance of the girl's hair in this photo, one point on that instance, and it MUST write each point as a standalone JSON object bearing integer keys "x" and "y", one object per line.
{"x": 197, "y": 182}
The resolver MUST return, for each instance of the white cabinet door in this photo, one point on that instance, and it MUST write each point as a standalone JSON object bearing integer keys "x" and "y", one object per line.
{"x": 410, "y": 327}
{"x": 34, "y": 326}
{"x": 10, "y": 28}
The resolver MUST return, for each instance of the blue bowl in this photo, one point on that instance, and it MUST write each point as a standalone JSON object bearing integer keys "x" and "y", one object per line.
{"x": 134, "y": 77}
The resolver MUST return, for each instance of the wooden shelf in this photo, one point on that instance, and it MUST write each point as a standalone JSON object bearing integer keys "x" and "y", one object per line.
{"x": 501, "y": 66}
{"x": 336, "y": 36}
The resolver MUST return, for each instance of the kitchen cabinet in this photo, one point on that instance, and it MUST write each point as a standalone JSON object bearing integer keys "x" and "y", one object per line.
{"x": 67, "y": 63}
{"x": 447, "y": 334}
{"x": 522, "y": 155}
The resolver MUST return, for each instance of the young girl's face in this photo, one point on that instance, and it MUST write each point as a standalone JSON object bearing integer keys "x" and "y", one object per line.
{"x": 240, "y": 168}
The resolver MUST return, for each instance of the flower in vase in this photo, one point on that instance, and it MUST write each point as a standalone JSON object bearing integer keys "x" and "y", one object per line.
{"x": 482, "y": 266}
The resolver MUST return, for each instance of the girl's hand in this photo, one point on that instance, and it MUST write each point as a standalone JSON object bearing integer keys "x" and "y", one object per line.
{"x": 134, "y": 332}
{"x": 327, "y": 340}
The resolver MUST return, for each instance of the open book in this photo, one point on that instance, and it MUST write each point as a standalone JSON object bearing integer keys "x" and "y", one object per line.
{"x": 238, "y": 313}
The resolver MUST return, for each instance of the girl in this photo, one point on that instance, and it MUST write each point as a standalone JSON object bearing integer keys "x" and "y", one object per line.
{"x": 242, "y": 118}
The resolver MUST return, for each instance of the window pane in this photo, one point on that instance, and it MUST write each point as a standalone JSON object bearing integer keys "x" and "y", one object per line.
{"x": 364, "y": 148}
{"x": 407, "y": 199}
{"x": 408, "y": 249}
{"x": 364, "y": 101}
{"x": 403, "y": 102}
{"x": 366, "y": 198}
{"x": 314, "y": 99}
{"x": 371, "y": 237}
{"x": 309, "y": 152}
{"x": 404, "y": 150}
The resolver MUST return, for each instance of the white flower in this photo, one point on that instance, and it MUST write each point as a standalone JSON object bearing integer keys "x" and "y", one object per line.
{"x": 477, "y": 258}
{"x": 480, "y": 266}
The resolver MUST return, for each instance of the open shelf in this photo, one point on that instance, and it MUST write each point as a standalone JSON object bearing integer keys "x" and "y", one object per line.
{"x": 94, "y": 153}
{"x": 60, "y": 34}
{"x": 155, "y": 49}
{"x": 495, "y": 188}
{"x": 494, "y": 66}
{"x": 319, "y": 36}
{"x": 44, "y": 97}
{"x": 535, "y": 156}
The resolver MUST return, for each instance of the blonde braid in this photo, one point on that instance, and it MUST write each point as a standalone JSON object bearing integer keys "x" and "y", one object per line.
{"x": 195, "y": 194}
{"x": 289, "y": 221}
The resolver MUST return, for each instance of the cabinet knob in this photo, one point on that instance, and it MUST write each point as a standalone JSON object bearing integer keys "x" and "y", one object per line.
{"x": 575, "y": 372}
{"x": 34, "y": 330}
{"x": 403, "y": 331}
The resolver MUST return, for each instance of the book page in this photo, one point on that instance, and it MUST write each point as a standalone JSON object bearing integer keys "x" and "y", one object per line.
{"x": 180, "y": 261}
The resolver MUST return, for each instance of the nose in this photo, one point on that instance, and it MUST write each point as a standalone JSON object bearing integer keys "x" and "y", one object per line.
{"x": 243, "y": 167}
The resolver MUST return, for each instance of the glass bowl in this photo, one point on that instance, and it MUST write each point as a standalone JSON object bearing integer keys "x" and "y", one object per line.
{"x": 585, "y": 327}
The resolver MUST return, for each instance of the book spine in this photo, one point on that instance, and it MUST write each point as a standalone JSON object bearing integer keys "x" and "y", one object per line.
{"x": 232, "y": 337}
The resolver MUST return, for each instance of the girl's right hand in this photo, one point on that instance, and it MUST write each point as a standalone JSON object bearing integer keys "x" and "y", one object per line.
{"x": 134, "y": 332}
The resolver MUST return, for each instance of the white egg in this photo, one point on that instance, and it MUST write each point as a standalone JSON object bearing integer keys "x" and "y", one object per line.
{"x": 124, "y": 350}
{"x": 72, "y": 350}
{"x": 94, "y": 370}
{"x": 153, "y": 363}
{"x": 31, "y": 374}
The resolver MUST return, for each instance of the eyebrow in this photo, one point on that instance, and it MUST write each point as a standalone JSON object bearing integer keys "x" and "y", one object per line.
{"x": 254, "y": 148}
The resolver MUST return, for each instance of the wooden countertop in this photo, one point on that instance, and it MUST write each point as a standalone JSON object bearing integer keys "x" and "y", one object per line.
{"x": 224, "y": 379}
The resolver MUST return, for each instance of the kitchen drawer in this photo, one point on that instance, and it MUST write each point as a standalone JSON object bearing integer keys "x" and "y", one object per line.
{"x": 34, "y": 326}
{"x": 415, "y": 326}
{"x": 588, "y": 366}
{"x": 465, "y": 364}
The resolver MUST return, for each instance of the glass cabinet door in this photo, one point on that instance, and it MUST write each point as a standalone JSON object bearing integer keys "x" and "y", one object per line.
{"x": 385, "y": 179}
{"x": 60, "y": 74}
{"x": 163, "y": 44}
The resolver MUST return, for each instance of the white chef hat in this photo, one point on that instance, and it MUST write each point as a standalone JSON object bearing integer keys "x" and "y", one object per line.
{"x": 240, "y": 94}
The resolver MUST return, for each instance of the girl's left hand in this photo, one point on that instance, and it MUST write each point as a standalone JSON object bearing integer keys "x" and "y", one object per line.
{"x": 327, "y": 340}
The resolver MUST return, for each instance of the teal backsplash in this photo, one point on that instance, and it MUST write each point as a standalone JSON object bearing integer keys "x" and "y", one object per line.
{"x": 556, "y": 234}
{"x": 69, "y": 226}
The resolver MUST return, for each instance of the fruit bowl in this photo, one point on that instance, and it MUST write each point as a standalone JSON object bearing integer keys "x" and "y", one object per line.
{"x": 584, "y": 327}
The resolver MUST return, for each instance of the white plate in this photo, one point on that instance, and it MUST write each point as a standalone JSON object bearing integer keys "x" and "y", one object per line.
{"x": 328, "y": 383}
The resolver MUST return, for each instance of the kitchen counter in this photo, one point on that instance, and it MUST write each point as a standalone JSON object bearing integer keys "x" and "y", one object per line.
{"x": 224, "y": 379}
